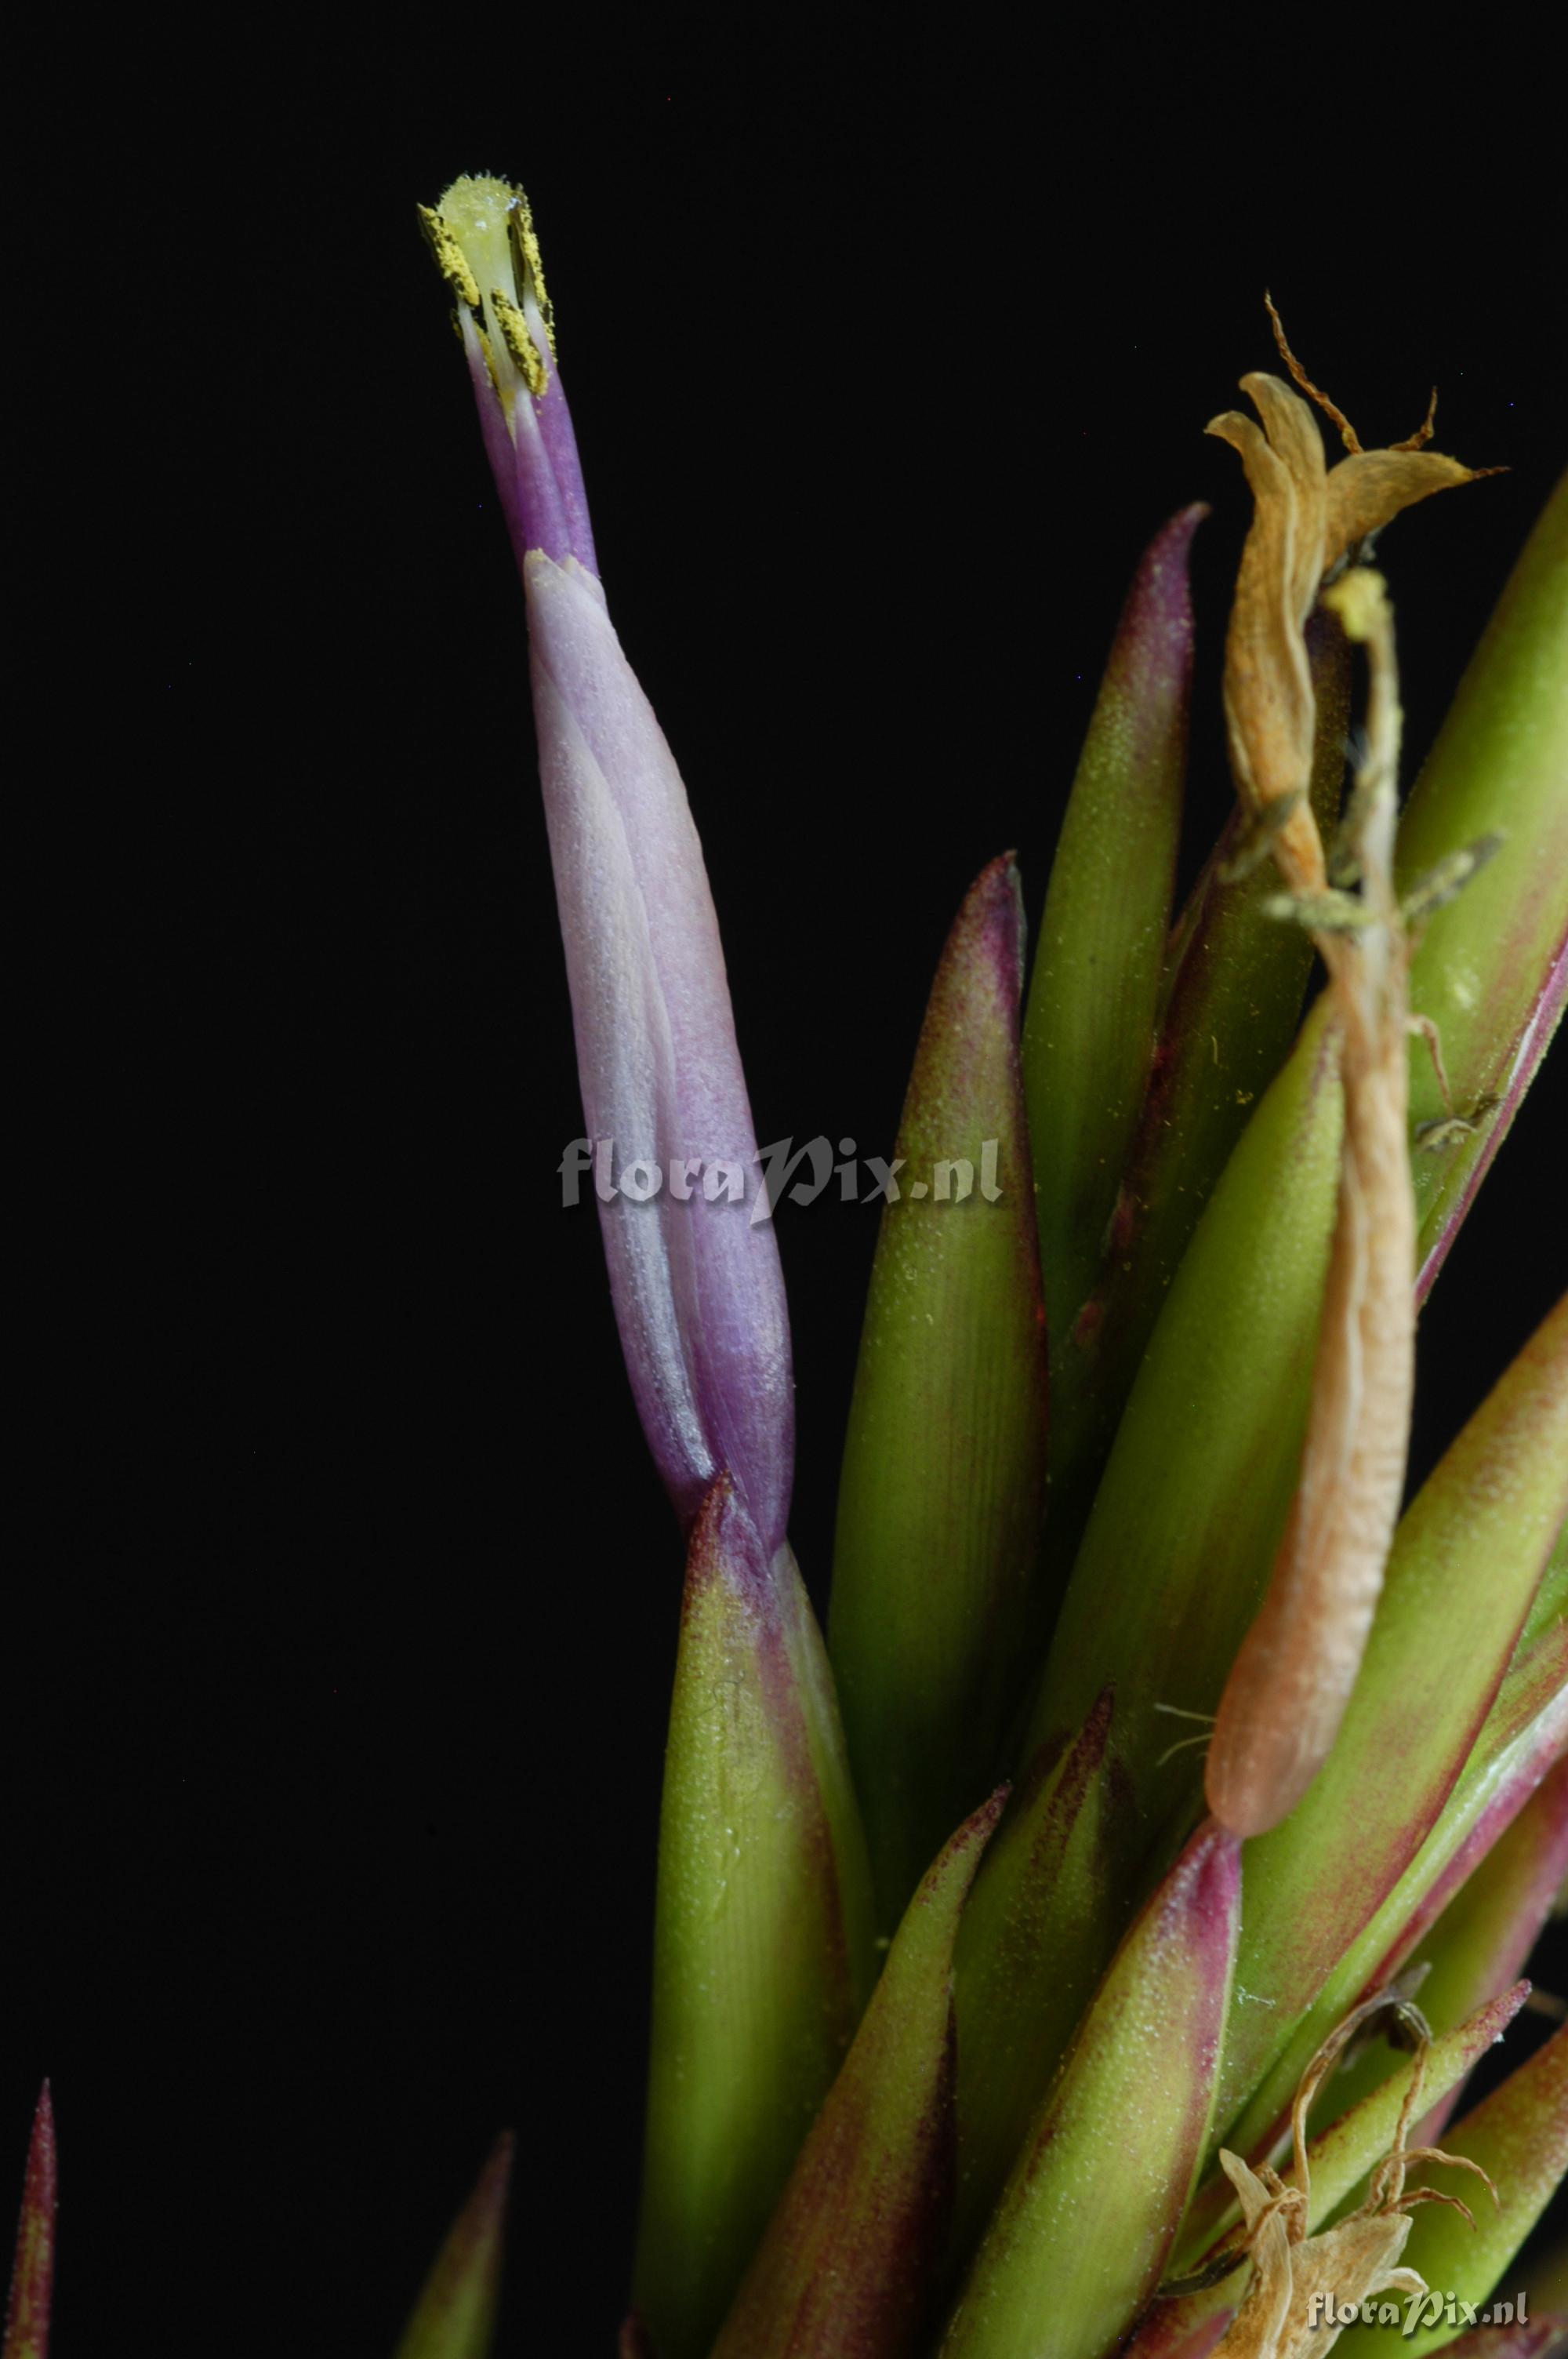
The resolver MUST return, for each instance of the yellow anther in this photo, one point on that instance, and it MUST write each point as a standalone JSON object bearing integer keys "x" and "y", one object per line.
{"x": 450, "y": 259}
{"x": 518, "y": 342}
{"x": 530, "y": 261}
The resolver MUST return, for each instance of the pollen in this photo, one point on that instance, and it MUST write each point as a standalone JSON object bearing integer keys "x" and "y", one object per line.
{"x": 450, "y": 259}
{"x": 481, "y": 235}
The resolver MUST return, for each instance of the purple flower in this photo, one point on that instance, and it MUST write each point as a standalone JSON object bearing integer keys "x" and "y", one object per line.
{"x": 696, "y": 1285}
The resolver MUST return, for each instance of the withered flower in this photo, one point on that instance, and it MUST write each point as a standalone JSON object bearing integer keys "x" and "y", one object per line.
{"x": 1309, "y": 518}
{"x": 1269, "y": 704}
{"x": 1293, "y": 1676}
{"x": 1302, "y": 2284}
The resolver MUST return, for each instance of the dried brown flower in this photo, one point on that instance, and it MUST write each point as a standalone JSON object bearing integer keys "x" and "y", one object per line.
{"x": 1288, "y": 1690}
{"x": 1296, "y": 2276}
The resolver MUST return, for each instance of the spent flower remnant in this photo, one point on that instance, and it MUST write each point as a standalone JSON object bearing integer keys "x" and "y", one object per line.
{"x": 1302, "y": 2282}
{"x": 698, "y": 1294}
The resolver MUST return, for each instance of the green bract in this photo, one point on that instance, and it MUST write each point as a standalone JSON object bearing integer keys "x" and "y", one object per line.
{"x": 1489, "y": 968}
{"x": 848, "y": 2264}
{"x": 1466, "y": 1565}
{"x": 937, "y": 1617}
{"x": 1197, "y": 1487}
{"x": 1230, "y": 1003}
{"x": 455, "y": 2317}
{"x": 1089, "y": 1033}
{"x": 1083, "y": 2225}
{"x": 761, "y": 1957}
{"x": 1040, "y": 1922}
{"x": 1519, "y": 2137}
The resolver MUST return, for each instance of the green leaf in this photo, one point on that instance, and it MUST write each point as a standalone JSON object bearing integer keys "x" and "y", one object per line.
{"x": 32, "y": 2272}
{"x": 1484, "y": 1937}
{"x": 1483, "y": 968}
{"x": 1466, "y": 1560}
{"x": 1520, "y": 2135}
{"x": 846, "y": 2268}
{"x": 1035, "y": 1935}
{"x": 1522, "y": 1738}
{"x": 1089, "y": 1032}
{"x": 1488, "y": 1930}
{"x": 1551, "y": 1606}
{"x": 935, "y": 1619}
{"x": 455, "y": 2316}
{"x": 1234, "y": 981}
{"x": 1080, "y": 2236}
{"x": 1177, "y": 1551}
{"x": 762, "y": 1954}
{"x": 1524, "y": 1735}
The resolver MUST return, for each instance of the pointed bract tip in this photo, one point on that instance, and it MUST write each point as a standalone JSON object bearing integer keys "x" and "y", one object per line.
{"x": 716, "y": 1505}
{"x": 43, "y": 2128}
{"x": 475, "y": 2240}
{"x": 1101, "y": 1715}
{"x": 1003, "y": 869}
{"x": 992, "y": 1809}
{"x": 495, "y": 2178}
{"x": 975, "y": 1833}
{"x": 1162, "y": 569}
{"x": 725, "y": 1545}
{"x": 982, "y": 1821}
{"x": 32, "y": 2275}
{"x": 1209, "y": 1875}
{"x": 992, "y": 913}
{"x": 1151, "y": 655}
{"x": 455, "y": 2316}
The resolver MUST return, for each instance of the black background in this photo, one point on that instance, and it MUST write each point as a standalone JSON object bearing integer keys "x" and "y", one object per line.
{"x": 341, "y": 1630}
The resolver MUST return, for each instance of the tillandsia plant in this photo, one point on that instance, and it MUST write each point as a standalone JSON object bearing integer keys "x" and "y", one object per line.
{"x": 1086, "y": 1948}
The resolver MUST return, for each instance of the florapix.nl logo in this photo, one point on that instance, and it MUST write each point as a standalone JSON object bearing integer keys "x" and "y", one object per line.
{"x": 760, "y": 1183}
{"x": 1416, "y": 2313}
